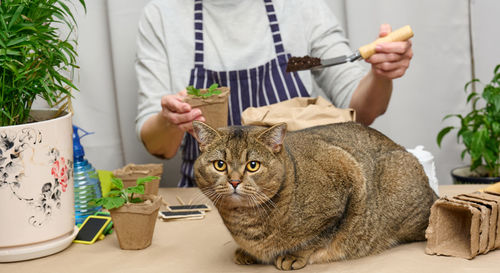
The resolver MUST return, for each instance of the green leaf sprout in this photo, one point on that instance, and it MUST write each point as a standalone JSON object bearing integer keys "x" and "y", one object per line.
{"x": 120, "y": 196}
{"x": 212, "y": 90}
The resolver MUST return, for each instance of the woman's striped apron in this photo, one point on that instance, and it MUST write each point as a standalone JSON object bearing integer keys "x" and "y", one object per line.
{"x": 254, "y": 87}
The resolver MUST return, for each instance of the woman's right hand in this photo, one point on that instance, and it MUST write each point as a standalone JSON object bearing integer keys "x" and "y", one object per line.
{"x": 178, "y": 113}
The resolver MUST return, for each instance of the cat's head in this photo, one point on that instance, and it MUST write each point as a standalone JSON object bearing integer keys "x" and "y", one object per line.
{"x": 240, "y": 166}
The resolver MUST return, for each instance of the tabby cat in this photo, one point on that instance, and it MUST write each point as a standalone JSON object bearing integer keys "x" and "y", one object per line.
{"x": 321, "y": 194}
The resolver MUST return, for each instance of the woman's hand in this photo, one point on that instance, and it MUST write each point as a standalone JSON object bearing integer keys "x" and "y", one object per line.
{"x": 179, "y": 113}
{"x": 391, "y": 60}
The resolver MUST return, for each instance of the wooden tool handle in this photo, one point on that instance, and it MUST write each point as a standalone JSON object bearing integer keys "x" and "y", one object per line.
{"x": 401, "y": 34}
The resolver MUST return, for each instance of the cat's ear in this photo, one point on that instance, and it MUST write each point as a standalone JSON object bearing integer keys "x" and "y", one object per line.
{"x": 204, "y": 134}
{"x": 273, "y": 137}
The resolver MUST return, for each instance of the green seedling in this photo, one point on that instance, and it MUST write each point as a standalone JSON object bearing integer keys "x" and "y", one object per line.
{"x": 212, "y": 90}
{"x": 119, "y": 196}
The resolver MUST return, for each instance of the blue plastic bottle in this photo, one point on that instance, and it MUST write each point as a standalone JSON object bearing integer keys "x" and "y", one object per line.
{"x": 86, "y": 180}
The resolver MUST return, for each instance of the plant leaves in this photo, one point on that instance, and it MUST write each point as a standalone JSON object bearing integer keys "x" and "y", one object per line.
{"x": 442, "y": 133}
{"x": 136, "y": 200}
{"x": 191, "y": 90}
{"x": 112, "y": 193}
{"x": 117, "y": 182}
{"x": 213, "y": 87}
{"x": 142, "y": 180}
{"x": 139, "y": 189}
{"x": 113, "y": 202}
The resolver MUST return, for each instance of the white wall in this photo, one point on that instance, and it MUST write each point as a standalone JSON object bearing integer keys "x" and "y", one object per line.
{"x": 432, "y": 87}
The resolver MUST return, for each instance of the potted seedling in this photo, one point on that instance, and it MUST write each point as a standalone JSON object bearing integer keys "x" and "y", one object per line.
{"x": 213, "y": 103}
{"x": 133, "y": 213}
{"x": 37, "y": 60}
{"x": 479, "y": 131}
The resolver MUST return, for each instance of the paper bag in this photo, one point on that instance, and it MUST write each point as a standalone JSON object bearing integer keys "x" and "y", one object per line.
{"x": 297, "y": 113}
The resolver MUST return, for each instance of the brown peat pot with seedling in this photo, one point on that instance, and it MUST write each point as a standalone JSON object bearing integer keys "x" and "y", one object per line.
{"x": 479, "y": 131}
{"x": 134, "y": 218}
{"x": 213, "y": 103}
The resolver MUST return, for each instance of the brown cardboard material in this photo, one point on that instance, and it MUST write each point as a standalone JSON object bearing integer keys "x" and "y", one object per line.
{"x": 298, "y": 113}
{"x": 493, "y": 219}
{"x": 484, "y": 222}
{"x": 213, "y": 108}
{"x": 135, "y": 223}
{"x": 492, "y": 198}
{"x": 453, "y": 229}
{"x": 131, "y": 172}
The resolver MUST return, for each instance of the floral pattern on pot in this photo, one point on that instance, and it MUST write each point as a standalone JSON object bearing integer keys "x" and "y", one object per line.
{"x": 14, "y": 147}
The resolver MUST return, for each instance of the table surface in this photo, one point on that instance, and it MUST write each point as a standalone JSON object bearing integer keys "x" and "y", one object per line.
{"x": 206, "y": 246}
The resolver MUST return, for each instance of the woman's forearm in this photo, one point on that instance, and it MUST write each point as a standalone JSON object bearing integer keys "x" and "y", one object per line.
{"x": 371, "y": 97}
{"x": 161, "y": 138}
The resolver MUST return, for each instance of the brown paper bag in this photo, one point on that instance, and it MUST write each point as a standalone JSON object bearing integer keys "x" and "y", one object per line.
{"x": 213, "y": 108}
{"x": 297, "y": 113}
{"x": 131, "y": 172}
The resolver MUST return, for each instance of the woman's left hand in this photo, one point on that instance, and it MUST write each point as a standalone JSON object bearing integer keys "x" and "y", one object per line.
{"x": 392, "y": 59}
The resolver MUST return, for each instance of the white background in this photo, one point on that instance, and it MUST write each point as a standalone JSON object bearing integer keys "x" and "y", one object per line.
{"x": 432, "y": 87}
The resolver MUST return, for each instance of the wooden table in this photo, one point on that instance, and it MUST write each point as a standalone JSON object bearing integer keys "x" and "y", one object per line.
{"x": 206, "y": 246}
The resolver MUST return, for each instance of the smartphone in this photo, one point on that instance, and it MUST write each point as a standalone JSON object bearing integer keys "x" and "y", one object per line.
{"x": 91, "y": 229}
{"x": 199, "y": 207}
{"x": 195, "y": 214}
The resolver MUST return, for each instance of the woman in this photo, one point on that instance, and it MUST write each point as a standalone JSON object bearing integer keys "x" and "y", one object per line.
{"x": 245, "y": 44}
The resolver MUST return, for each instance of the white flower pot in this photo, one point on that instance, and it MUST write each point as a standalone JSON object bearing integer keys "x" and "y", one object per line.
{"x": 37, "y": 215}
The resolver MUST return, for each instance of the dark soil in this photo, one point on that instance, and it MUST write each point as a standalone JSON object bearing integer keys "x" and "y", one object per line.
{"x": 302, "y": 63}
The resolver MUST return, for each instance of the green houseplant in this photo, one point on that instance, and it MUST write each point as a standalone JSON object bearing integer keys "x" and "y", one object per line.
{"x": 134, "y": 213}
{"x": 34, "y": 60}
{"x": 479, "y": 131}
{"x": 37, "y": 58}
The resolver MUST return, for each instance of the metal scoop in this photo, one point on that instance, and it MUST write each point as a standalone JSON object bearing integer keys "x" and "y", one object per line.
{"x": 366, "y": 51}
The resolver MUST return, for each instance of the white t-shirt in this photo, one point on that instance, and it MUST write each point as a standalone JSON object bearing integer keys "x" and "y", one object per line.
{"x": 236, "y": 35}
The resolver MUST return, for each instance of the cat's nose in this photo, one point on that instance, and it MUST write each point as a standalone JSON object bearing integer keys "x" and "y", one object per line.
{"x": 234, "y": 182}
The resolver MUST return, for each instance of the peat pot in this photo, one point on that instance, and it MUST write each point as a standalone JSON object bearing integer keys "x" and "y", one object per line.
{"x": 36, "y": 187}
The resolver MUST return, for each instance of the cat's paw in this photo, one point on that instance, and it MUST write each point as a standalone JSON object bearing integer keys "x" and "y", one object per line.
{"x": 241, "y": 257}
{"x": 290, "y": 262}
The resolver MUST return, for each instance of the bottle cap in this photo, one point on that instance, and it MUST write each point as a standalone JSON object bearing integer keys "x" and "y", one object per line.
{"x": 77, "y": 146}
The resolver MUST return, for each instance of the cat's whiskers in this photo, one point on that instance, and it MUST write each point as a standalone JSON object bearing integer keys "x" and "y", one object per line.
{"x": 212, "y": 194}
{"x": 258, "y": 209}
{"x": 201, "y": 197}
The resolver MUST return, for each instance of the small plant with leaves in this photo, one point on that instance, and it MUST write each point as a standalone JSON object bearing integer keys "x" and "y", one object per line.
{"x": 212, "y": 90}
{"x": 479, "y": 129}
{"x": 119, "y": 196}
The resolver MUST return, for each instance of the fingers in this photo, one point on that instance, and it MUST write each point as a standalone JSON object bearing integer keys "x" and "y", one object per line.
{"x": 179, "y": 113}
{"x": 175, "y": 103}
{"x": 391, "y": 60}
{"x": 384, "y": 30}
{"x": 394, "y": 47}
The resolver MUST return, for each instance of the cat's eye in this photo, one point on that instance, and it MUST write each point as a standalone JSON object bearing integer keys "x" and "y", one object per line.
{"x": 220, "y": 165}
{"x": 253, "y": 166}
